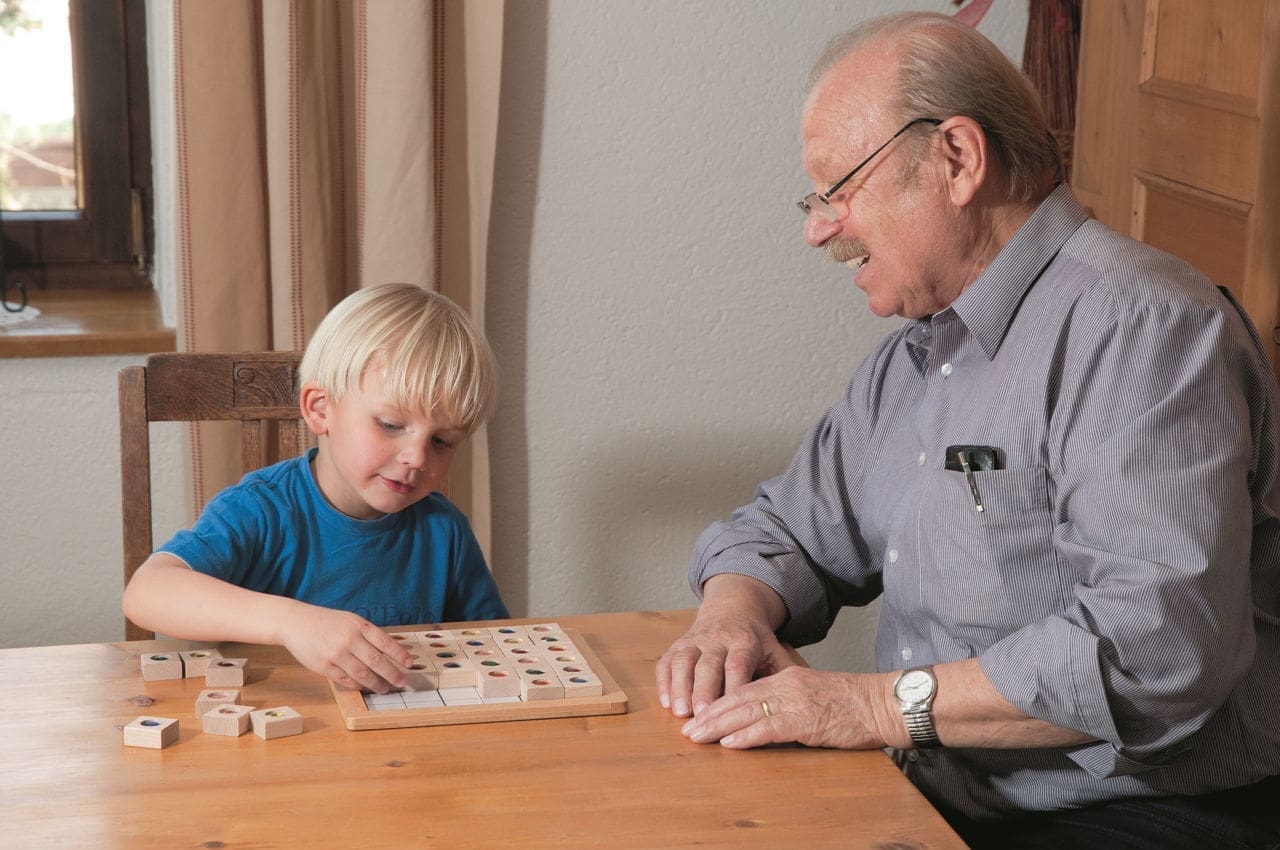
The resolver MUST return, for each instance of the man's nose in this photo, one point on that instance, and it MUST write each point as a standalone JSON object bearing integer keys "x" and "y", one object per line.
{"x": 818, "y": 229}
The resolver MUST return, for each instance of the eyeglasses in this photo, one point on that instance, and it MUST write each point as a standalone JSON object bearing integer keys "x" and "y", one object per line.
{"x": 820, "y": 202}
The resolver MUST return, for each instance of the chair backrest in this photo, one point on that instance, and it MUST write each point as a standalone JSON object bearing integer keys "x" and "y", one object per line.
{"x": 258, "y": 389}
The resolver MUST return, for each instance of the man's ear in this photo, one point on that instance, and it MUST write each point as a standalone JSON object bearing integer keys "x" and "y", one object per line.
{"x": 967, "y": 157}
{"x": 313, "y": 403}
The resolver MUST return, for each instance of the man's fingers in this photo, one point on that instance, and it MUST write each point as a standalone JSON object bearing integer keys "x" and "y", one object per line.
{"x": 739, "y": 669}
{"x": 735, "y": 721}
{"x": 708, "y": 680}
{"x": 662, "y": 675}
{"x": 684, "y": 663}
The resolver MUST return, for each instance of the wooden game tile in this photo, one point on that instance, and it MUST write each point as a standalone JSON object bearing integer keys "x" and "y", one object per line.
{"x": 496, "y": 679}
{"x": 432, "y": 636}
{"x": 460, "y": 696}
{"x": 196, "y": 661}
{"x": 478, "y": 651}
{"x": 579, "y": 681}
{"x": 230, "y": 720}
{"x": 519, "y": 650}
{"x": 157, "y": 666}
{"x": 406, "y": 639}
{"x": 499, "y": 700}
{"x": 423, "y": 699}
{"x": 552, "y": 644}
{"x": 559, "y": 647}
{"x": 529, "y": 659}
{"x": 459, "y": 672}
{"x": 226, "y": 673}
{"x": 540, "y": 683}
{"x": 439, "y": 655}
{"x": 510, "y": 636}
{"x": 564, "y": 657}
{"x": 548, "y": 634}
{"x": 569, "y": 668}
{"x": 280, "y": 722}
{"x": 420, "y": 676}
{"x": 211, "y": 698}
{"x": 382, "y": 702}
{"x": 464, "y": 634}
{"x": 154, "y": 733}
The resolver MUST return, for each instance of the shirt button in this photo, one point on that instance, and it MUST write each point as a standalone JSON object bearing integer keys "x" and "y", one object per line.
{"x": 920, "y": 460}
{"x": 913, "y": 756}
{"x": 906, "y": 653}
{"x": 893, "y": 556}
{"x": 945, "y": 370}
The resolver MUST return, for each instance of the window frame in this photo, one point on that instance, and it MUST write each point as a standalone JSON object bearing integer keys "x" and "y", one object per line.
{"x": 107, "y": 243}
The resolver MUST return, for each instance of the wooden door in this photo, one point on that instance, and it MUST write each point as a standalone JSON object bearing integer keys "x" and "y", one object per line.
{"x": 1178, "y": 136}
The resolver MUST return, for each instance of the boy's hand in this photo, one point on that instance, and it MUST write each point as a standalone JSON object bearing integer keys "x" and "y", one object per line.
{"x": 344, "y": 647}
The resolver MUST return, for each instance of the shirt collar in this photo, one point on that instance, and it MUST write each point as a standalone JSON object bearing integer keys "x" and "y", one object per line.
{"x": 987, "y": 306}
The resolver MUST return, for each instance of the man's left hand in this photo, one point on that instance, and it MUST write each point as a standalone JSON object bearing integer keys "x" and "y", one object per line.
{"x": 813, "y": 707}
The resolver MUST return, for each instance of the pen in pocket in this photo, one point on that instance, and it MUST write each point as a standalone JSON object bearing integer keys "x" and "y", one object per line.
{"x": 968, "y": 475}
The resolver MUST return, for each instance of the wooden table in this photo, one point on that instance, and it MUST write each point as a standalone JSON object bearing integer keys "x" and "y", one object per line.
{"x": 628, "y": 780}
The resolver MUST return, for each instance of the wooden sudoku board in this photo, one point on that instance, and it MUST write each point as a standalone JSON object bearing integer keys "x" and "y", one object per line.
{"x": 486, "y": 674}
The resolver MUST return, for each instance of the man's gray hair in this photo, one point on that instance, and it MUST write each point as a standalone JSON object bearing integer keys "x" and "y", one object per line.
{"x": 948, "y": 68}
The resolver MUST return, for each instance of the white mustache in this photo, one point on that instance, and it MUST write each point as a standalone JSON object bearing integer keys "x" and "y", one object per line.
{"x": 851, "y": 252}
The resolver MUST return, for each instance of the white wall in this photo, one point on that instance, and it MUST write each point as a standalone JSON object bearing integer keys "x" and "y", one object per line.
{"x": 665, "y": 336}
{"x": 60, "y": 549}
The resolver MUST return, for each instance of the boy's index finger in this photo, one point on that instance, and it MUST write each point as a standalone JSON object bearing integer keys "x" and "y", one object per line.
{"x": 388, "y": 646}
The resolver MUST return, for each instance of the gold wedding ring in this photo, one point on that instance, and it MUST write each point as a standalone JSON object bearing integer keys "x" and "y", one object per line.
{"x": 768, "y": 712}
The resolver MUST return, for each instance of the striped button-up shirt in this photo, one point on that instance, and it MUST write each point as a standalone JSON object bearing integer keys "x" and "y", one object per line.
{"x": 1123, "y": 577}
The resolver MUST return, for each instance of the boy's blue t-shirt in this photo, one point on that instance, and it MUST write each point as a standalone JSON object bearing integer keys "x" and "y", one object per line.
{"x": 275, "y": 533}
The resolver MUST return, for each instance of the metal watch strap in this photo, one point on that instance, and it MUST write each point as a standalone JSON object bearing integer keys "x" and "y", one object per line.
{"x": 920, "y": 727}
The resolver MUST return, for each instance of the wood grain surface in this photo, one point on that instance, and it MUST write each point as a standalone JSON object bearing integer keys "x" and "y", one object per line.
{"x": 613, "y": 781}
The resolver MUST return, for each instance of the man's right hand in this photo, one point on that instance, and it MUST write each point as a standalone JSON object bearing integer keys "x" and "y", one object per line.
{"x": 730, "y": 643}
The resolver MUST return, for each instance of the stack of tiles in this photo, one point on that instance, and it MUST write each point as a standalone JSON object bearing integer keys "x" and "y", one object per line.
{"x": 227, "y": 719}
{"x": 489, "y": 665}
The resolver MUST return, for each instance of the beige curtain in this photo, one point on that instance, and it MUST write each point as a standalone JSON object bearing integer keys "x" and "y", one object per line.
{"x": 325, "y": 145}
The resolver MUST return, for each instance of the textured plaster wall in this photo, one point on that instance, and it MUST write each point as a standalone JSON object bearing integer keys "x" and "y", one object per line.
{"x": 60, "y": 549}
{"x": 665, "y": 336}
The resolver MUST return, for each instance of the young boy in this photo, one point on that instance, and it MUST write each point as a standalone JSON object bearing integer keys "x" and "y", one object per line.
{"x": 316, "y": 552}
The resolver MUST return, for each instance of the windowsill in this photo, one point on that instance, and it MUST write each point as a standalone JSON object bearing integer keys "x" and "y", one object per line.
{"x": 87, "y": 323}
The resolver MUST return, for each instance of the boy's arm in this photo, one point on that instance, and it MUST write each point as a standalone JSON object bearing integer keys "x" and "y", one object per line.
{"x": 167, "y": 596}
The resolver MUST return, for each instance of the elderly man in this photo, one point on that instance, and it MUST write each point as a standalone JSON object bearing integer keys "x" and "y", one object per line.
{"x": 1059, "y": 476}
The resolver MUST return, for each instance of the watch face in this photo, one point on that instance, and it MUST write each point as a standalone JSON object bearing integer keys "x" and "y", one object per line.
{"x": 915, "y": 686}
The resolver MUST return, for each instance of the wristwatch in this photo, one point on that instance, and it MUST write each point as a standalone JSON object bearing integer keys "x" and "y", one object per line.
{"x": 915, "y": 689}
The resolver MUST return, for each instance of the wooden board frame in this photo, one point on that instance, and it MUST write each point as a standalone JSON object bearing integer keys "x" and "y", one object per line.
{"x": 359, "y": 717}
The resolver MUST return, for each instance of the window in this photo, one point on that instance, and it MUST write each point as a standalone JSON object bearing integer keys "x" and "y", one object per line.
{"x": 75, "y": 195}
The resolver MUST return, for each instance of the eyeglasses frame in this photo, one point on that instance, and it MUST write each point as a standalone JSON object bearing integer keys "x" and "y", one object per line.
{"x": 822, "y": 201}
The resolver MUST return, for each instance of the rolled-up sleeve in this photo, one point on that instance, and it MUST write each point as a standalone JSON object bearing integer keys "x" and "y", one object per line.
{"x": 1153, "y": 519}
{"x": 800, "y": 535}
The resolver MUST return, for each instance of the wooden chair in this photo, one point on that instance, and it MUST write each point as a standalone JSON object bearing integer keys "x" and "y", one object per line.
{"x": 258, "y": 389}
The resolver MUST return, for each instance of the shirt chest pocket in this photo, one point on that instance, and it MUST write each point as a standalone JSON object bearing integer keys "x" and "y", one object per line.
{"x": 990, "y": 570}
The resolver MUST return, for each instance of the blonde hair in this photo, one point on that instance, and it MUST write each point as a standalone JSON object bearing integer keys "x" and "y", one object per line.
{"x": 430, "y": 353}
{"x": 948, "y": 68}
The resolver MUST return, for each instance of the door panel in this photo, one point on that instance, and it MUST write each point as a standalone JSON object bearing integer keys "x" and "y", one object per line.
{"x": 1178, "y": 135}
